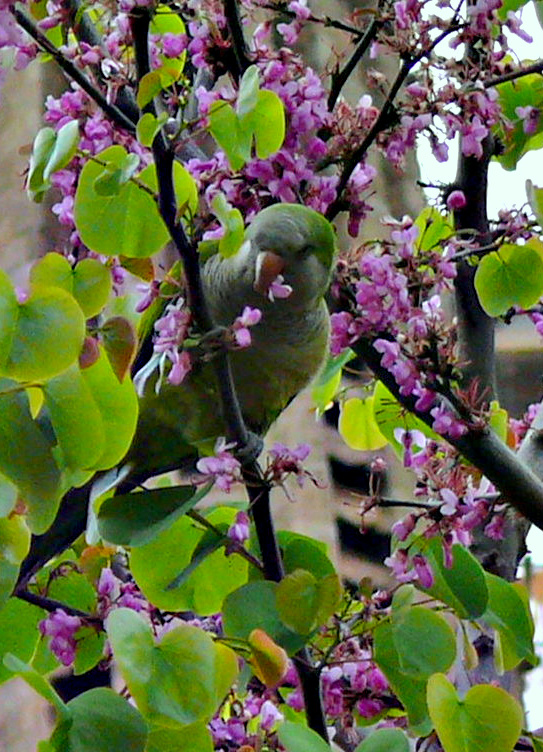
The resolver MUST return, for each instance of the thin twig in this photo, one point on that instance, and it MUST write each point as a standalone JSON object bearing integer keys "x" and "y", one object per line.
{"x": 233, "y": 546}
{"x": 381, "y": 123}
{"x": 49, "y": 604}
{"x": 341, "y": 77}
{"x": 74, "y": 73}
{"x": 534, "y": 68}
{"x": 326, "y": 21}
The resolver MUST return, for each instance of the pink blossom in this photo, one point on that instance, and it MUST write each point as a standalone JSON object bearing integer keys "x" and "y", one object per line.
{"x": 496, "y": 527}
{"x": 62, "y": 628}
{"x": 249, "y": 317}
{"x": 423, "y": 570}
{"x": 240, "y": 530}
{"x": 181, "y": 366}
{"x": 446, "y": 423}
{"x": 278, "y": 289}
{"x": 174, "y": 44}
{"x": 473, "y": 134}
{"x": 530, "y": 117}
{"x": 403, "y": 528}
{"x": 368, "y": 707}
{"x": 270, "y": 715}
{"x": 222, "y": 468}
{"x": 456, "y": 200}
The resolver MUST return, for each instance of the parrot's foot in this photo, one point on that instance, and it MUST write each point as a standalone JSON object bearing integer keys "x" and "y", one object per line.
{"x": 252, "y": 449}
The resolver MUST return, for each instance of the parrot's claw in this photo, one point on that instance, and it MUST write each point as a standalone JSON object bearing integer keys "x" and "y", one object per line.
{"x": 251, "y": 451}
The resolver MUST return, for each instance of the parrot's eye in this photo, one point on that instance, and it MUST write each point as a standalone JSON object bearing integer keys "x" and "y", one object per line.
{"x": 305, "y": 251}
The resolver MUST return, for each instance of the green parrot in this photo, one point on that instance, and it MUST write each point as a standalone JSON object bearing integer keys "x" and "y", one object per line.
{"x": 288, "y": 344}
{"x": 288, "y": 347}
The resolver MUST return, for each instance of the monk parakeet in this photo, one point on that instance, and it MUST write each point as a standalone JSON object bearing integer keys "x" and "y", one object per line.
{"x": 288, "y": 344}
{"x": 288, "y": 347}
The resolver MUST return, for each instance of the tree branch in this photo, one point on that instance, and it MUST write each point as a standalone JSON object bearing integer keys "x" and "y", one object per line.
{"x": 49, "y": 604}
{"x": 534, "y": 68}
{"x": 241, "y": 56}
{"x": 514, "y": 479}
{"x": 111, "y": 110}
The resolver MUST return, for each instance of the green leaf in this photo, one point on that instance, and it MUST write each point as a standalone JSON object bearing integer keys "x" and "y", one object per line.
{"x": 305, "y": 603}
{"x": 424, "y": 641}
{"x": 137, "y": 518}
{"x": 248, "y": 92}
{"x": 18, "y": 632}
{"x": 157, "y": 564}
{"x": 385, "y": 740}
{"x": 389, "y": 414}
{"x": 101, "y": 721}
{"x": 120, "y": 343}
{"x": 148, "y": 126}
{"x": 510, "y": 5}
{"x": 8, "y": 493}
{"x": 115, "y": 175}
{"x": 297, "y": 738}
{"x": 89, "y": 281}
{"x": 303, "y": 552}
{"x": 128, "y": 223}
{"x": 42, "y": 149}
{"x": 66, "y": 143}
{"x": 524, "y": 91}
{"x": 499, "y": 420}
{"x": 192, "y": 738}
{"x": 434, "y": 228}
{"x": 14, "y": 546}
{"x": 511, "y": 276}
{"x": 48, "y": 335}
{"x": 118, "y": 404}
{"x": 186, "y": 191}
{"x": 20, "y": 438}
{"x": 269, "y": 661}
{"x": 254, "y": 606}
{"x": 76, "y": 419}
{"x": 297, "y": 601}
{"x": 509, "y": 614}
{"x": 149, "y": 87}
{"x": 37, "y": 682}
{"x": 225, "y": 128}
{"x": 74, "y": 590}
{"x": 463, "y": 585}
{"x": 486, "y": 720}
{"x": 357, "y": 426}
{"x": 268, "y": 123}
{"x": 90, "y": 650}
{"x": 327, "y": 382}
{"x": 179, "y": 681}
{"x": 410, "y": 690}
{"x": 232, "y": 224}
{"x": 9, "y": 312}
{"x": 535, "y": 199}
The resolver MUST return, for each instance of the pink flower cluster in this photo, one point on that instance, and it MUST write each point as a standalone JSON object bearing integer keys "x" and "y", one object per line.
{"x": 62, "y": 629}
{"x": 221, "y": 468}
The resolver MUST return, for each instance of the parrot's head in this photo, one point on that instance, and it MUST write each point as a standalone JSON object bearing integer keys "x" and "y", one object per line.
{"x": 295, "y": 242}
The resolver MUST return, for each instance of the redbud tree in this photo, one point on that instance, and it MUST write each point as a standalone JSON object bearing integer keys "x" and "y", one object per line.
{"x": 179, "y": 122}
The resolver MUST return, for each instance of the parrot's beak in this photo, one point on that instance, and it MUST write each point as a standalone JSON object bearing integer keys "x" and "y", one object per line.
{"x": 268, "y": 267}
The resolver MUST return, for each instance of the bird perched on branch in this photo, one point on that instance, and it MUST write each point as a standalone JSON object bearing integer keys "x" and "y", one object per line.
{"x": 289, "y": 344}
